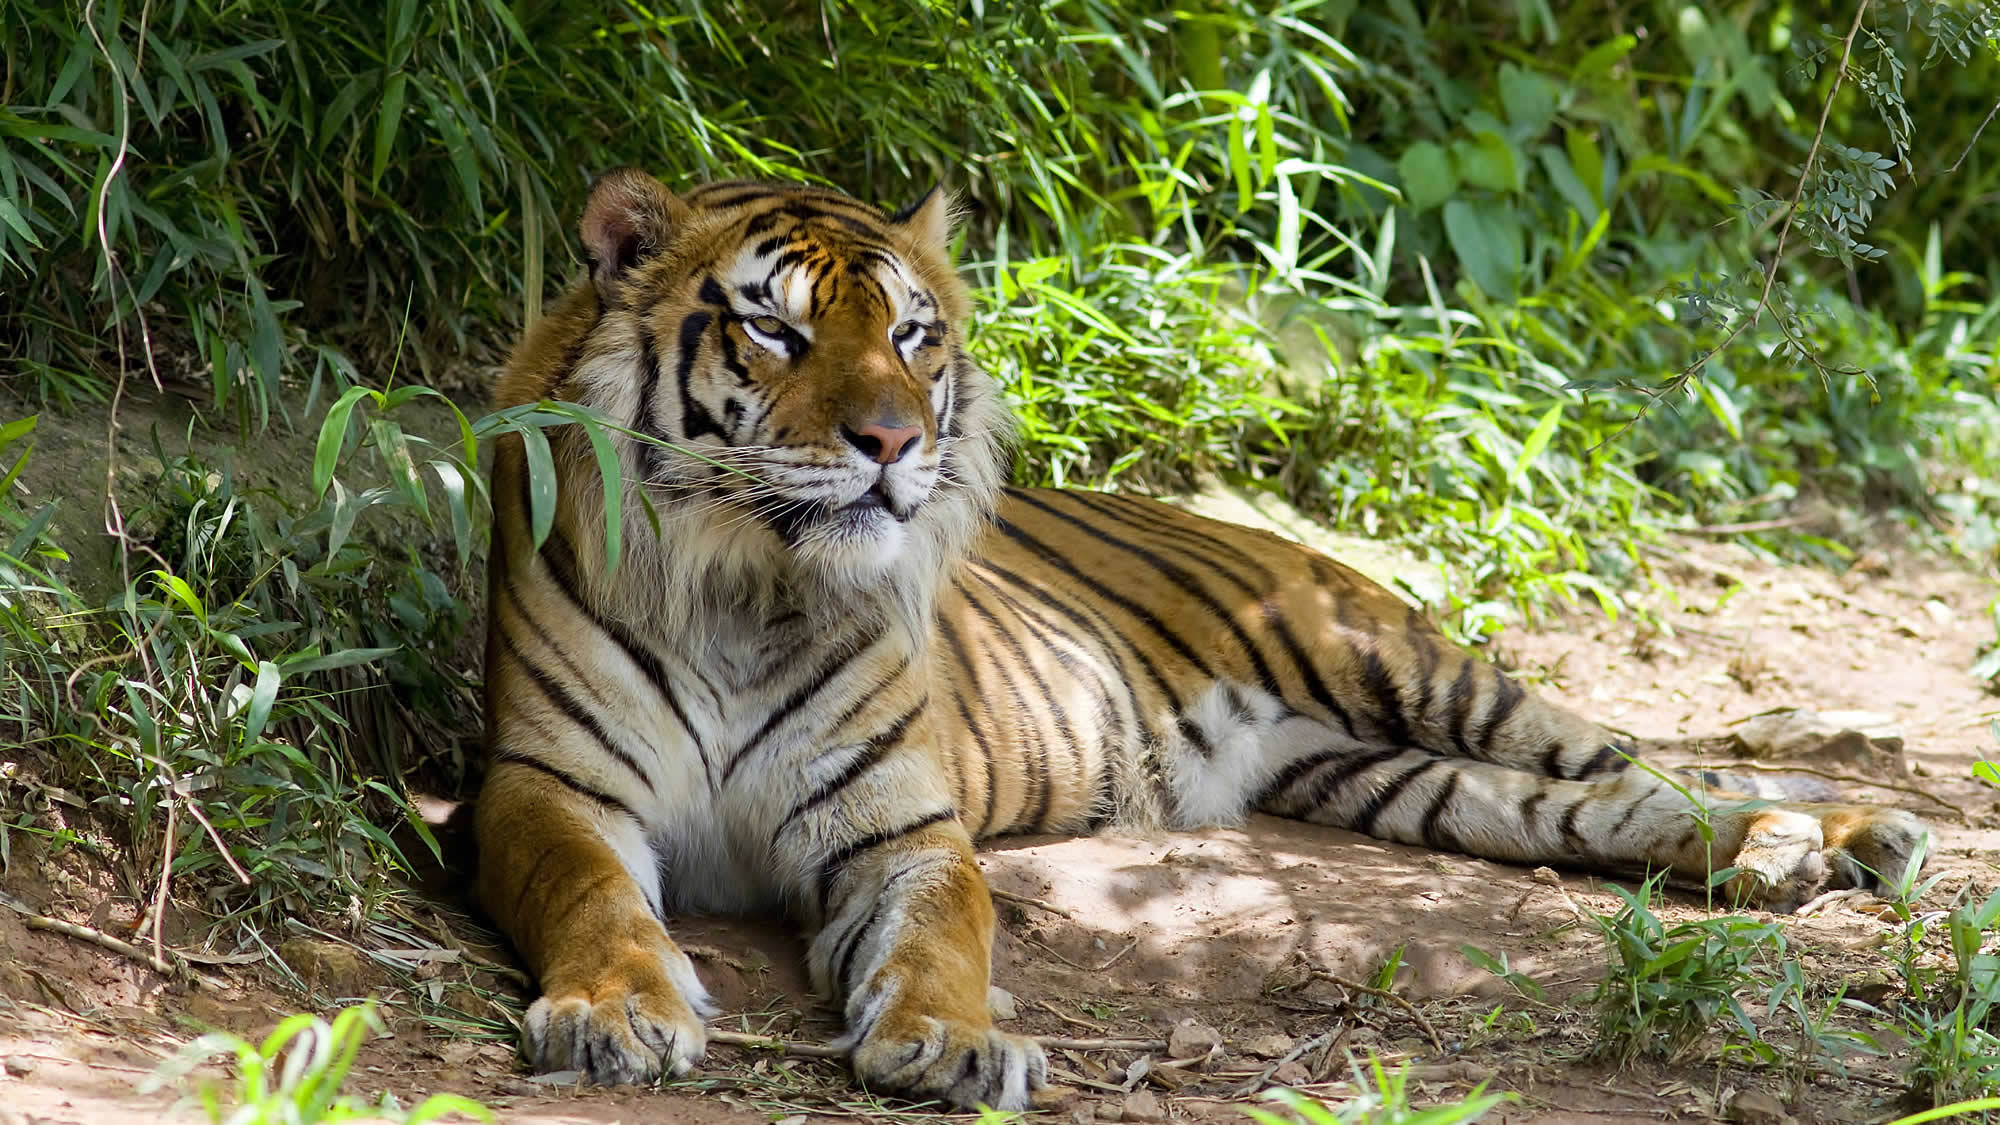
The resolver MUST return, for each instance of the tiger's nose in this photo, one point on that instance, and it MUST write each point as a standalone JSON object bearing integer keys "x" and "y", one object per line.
{"x": 885, "y": 443}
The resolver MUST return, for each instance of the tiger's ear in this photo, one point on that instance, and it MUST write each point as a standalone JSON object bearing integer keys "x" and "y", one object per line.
{"x": 628, "y": 219}
{"x": 929, "y": 220}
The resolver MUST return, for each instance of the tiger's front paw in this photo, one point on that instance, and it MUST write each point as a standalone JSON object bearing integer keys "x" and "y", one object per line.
{"x": 629, "y": 1013}
{"x": 1781, "y": 863}
{"x": 961, "y": 1063}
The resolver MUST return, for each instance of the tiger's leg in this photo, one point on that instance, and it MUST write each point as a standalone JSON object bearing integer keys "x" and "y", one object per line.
{"x": 905, "y": 938}
{"x": 1467, "y": 708}
{"x": 570, "y": 882}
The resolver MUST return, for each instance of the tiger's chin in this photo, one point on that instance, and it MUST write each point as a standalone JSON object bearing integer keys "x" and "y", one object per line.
{"x": 860, "y": 546}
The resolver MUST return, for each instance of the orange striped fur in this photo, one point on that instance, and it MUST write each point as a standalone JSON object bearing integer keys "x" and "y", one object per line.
{"x": 848, "y": 651}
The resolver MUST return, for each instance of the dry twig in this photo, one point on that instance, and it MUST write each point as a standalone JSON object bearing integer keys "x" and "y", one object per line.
{"x": 1316, "y": 1042}
{"x": 1038, "y": 904}
{"x": 34, "y": 921}
{"x": 1384, "y": 994}
{"x": 1115, "y": 957}
{"x": 1849, "y": 778}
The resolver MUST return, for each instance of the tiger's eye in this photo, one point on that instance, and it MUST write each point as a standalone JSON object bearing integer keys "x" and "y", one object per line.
{"x": 905, "y": 331}
{"x": 768, "y": 325}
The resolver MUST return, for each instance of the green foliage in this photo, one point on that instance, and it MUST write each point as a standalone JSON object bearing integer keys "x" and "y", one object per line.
{"x": 1356, "y": 255}
{"x": 295, "y": 1075}
{"x": 238, "y": 712}
{"x": 1954, "y": 1052}
{"x": 1384, "y": 1099}
{"x": 1667, "y": 986}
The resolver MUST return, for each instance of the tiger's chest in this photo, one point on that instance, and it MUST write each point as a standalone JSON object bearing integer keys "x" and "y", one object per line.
{"x": 763, "y": 718}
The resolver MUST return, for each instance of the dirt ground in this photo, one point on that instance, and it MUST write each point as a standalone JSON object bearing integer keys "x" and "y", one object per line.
{"x": 1121, "y": 938}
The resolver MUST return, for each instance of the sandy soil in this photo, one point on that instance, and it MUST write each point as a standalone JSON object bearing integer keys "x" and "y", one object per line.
{"x": 1127, "y": 937}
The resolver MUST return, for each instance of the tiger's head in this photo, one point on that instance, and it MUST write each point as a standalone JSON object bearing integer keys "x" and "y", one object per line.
{"x": 798, "y": 358}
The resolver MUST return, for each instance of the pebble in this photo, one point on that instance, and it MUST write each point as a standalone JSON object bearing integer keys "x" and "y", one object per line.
{"x": 1269, "y": 1045}
{"x": 1192, "y": 1040}
{"x": 1000, "y": 1003}
{"x": 1755, "y": 1107}
{"x": 1141, "y": 1105}
{"x": 20, "y": 1066}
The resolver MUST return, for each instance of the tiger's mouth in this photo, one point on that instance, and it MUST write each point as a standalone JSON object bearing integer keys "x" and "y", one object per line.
{"x": 876, "y": 499}
{"x": 874, "y": 515}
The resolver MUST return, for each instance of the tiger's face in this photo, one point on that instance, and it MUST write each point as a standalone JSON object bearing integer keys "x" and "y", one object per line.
{"x": 796, "y": 354}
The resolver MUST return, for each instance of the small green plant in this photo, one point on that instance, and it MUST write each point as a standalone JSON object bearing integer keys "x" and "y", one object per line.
{"x": 1819, "y": 1046}
{"x": 1384, "y": 1100}
{"x": 294, "y": 1077}
{"x": 1953, "y": 1050}
{"x": 1667, "y": 986}
{"x": 1987, "y": 667}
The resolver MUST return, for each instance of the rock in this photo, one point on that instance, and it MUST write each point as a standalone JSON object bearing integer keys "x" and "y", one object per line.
{"x": 1755, "y": 1107}
{"x": 1056, "y": 1099}
{"x": 1269, "y": 1046}
{"x": 326, "y": 965}
{"x": 1141, "y": 1105}
{"x": 1192, "y": 1040}
{"x": 1862, "y": 741}
{"x": 1293, "y": 1073}
{"x": 19, "y": 1066}
{"x": 1000, "y": 1003}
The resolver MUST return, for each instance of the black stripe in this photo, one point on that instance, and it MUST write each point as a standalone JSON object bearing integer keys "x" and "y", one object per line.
{"x": 957, "y": 646}
{"x": 1376, "y": 677}
{"x": 1416, "y": 631}
{"x": 1527, "y": 812}
{"x": 1296, "y": 769}
{"x": 747, "y": 194}
{"x": 862, "y": 701}
{"x": 850, "y": 945}
{"x": 695, "y": 418}
{"x": 820, "y": 678}
{"x": 534, "y": 869}
{"x": 510, "y": 591}
{"x": 1552, "y": 760}
{"x": 872, "y": 753}
{"x": 560, "y": 559}
{"x": 1044, "y": 785}
{"x": 1145, "y": 616}
{"x": 1183, "y": 529}
{"x": 1607, "y": 756}
{"x": 1105, "y": 644}
{"x": 1435, "y": 833}
{"x": 574, "y": 711}
{"x": 1042, "y": 629}
{"x": 1328, "y": 785}
{"x": 1378, "y": 802}
{"x": 1186, "y": 582}
{"x": 515, "y": 757}
{"x": 1625, "y": 817}
{"x": 1568, "y": 827}
{"x": 1191, "y": 543}
{"x": 830, "y": 868}
{"x": 1194, "y": 735}
{"x": 1508, "y": 696}
{"x": 1458, "y": 706}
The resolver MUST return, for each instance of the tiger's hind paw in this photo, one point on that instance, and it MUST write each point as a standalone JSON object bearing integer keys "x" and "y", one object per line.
{"x": 1871, "y": 847}
{"x": 957, "y": 1062}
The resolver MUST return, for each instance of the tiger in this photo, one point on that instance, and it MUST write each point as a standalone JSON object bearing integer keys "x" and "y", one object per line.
{"x": 842, "y": 649}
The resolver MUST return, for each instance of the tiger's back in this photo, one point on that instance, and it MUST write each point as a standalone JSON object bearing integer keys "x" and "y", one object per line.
{"x": 844, "y": 652}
